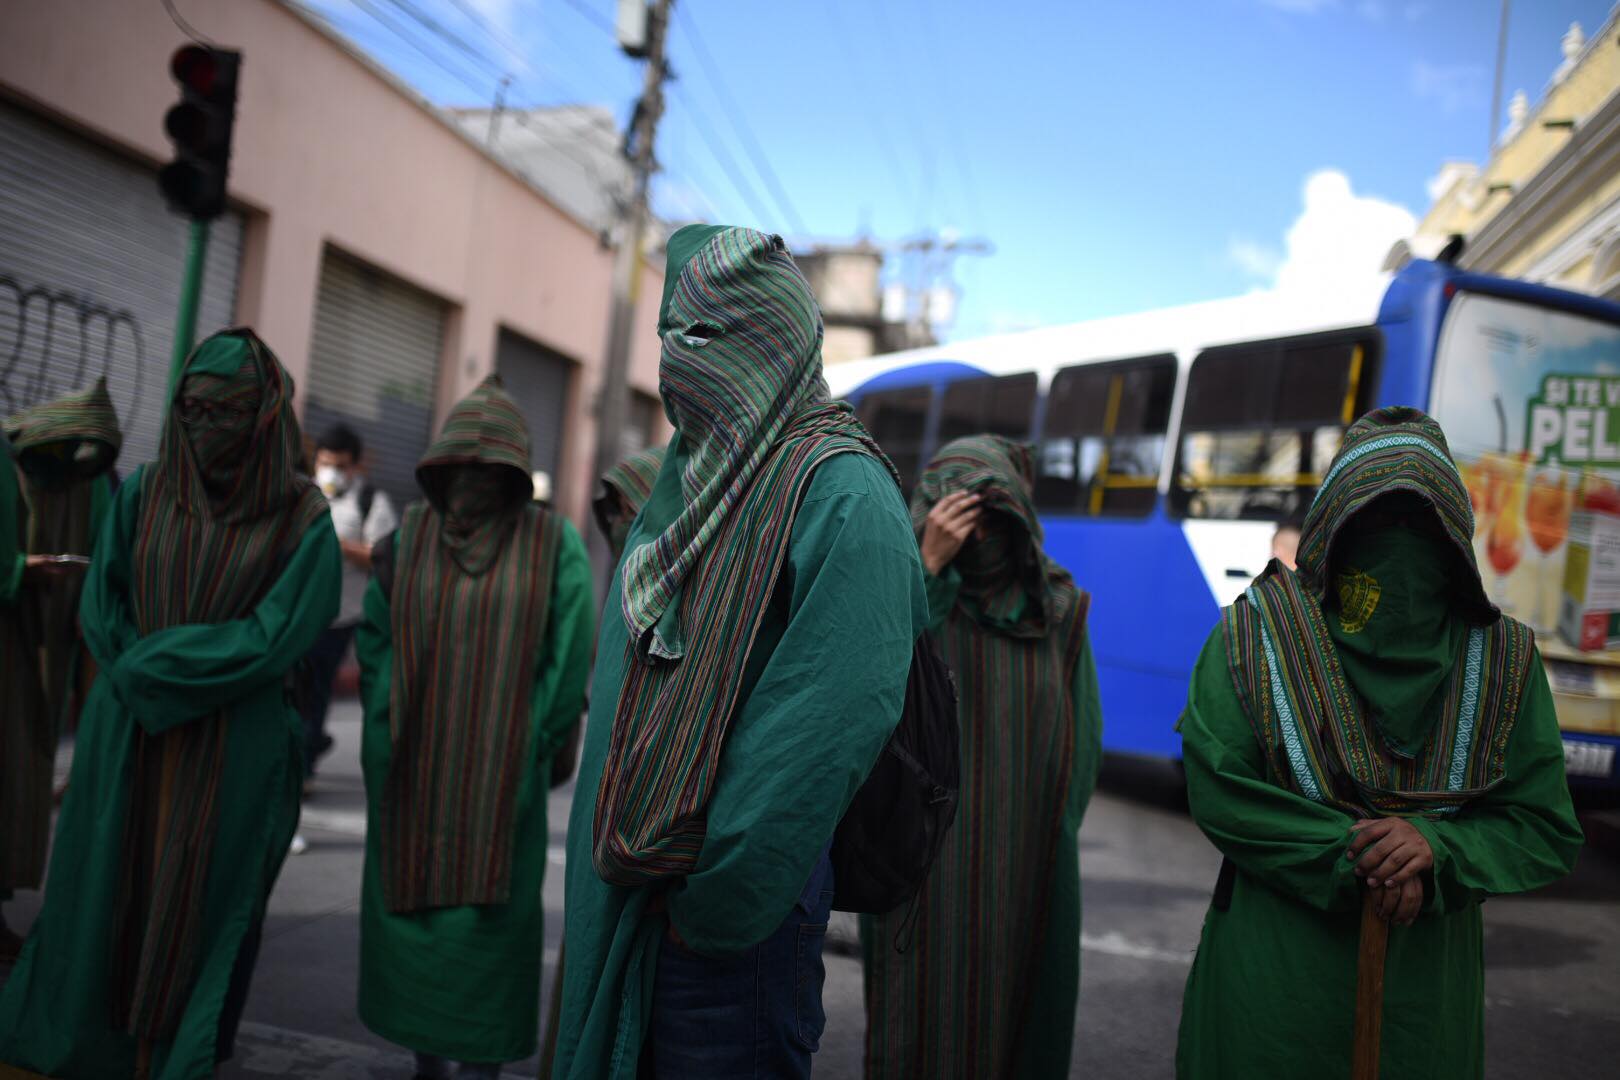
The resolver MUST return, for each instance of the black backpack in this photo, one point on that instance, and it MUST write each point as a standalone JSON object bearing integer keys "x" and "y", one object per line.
{"x": 893, "y": 829}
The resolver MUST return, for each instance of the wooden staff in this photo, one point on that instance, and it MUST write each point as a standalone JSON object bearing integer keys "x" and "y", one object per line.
{"x": 1369, "y": 990}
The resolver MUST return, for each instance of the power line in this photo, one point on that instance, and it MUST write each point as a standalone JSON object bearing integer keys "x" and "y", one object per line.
{"x": 739, "y": 124}
{"x": 476, "y": 17}
{"x": 898, "y": 174}
{"x": 442, "y": 32}
{"x": 953, "y": 132}
{"x": 410, "y": 39}
{"x": 728, "y": 165}
{"x": 594, "y": 17}
{"x": 926, "y": 155}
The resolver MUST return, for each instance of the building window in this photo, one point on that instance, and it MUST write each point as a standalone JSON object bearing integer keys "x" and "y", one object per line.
{"x": 1262, "y": 422}
{"x": 1103, "y": 441}
{"x": 898, "y": 420}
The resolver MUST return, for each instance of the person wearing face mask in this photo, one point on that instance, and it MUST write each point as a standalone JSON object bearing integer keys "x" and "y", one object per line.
{"x": 361, "y": 515}
{"x": 474, "y": 654}
{"x": 988, "y": 983}
{"x": 215, "y": 571}
{"x": 625, "y": 489}
{"x": 1367, "y": 722}
{"x": 752, "y": 663}
{"x": 64, "y": 451}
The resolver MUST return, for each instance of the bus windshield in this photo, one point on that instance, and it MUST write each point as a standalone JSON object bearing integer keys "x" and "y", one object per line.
{"x": 1529, "y": 397}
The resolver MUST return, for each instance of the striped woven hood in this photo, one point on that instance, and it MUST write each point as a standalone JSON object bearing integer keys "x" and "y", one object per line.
{"x": 625, "y": 490}
{"x": 485, "y": 428}
{"x": 83, "y": 426}
{"x": 1393, "y": 449}
{"x": 741, "y": 363}
{"x": 1007, "y": 580}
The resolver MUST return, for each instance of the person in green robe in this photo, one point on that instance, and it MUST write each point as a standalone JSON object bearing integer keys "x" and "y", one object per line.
{"x": 1367, "y": 722}
{"x": 982, "y": 977}
{"x": 474, "y": 654}
{"x": 216, "y": 570}
{"x": 63, "y": 451}
{"x": 751, "y": 665}
{"x": 625, "y": 489}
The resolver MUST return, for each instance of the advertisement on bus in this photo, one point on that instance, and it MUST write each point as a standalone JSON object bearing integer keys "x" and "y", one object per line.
{"x": 1529, "y": 397}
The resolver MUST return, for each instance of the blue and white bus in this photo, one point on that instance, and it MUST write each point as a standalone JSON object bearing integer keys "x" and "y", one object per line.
{"x": 1170, "y": 443}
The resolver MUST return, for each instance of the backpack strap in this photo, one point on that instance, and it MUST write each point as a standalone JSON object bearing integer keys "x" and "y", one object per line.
{"x": 382, "y": 563}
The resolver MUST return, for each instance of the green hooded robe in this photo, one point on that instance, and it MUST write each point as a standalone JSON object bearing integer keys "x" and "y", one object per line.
{"x": 450, "y": 943}
{"x": 186, "y": 775}
{"x": 817, "y": 694}
{"x": 982, "y": 978}
{"x": 1376, "y": 681}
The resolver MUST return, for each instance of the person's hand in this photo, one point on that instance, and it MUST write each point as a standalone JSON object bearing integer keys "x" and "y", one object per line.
{"x": 44, "y": 570}
{"x": 357, "y": 552}
{"x": 949, "y": 524}
{"x": 1388, "y": 851}
{"x": 1399, "y": 903}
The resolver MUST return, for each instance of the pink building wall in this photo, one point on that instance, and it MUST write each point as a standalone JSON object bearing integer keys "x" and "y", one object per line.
{"x": 331, "y": 150}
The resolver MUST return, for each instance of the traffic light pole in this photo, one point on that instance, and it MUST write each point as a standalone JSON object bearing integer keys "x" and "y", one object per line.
{"x": 613, "y": 400}
{"x": 185, "y": 322}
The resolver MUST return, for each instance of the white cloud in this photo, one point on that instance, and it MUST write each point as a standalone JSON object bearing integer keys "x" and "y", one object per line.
{"x": 1335, "y": 246}
{"x": 1253, "y": 258}
{"x": 499, "y": 12}
{"x": 1451, "y": 86}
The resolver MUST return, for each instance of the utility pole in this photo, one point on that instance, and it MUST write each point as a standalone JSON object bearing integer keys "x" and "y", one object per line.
{"x": 613, "y": 401}
{"x": 495, "y": 113}
{"x": 933, "y": 254}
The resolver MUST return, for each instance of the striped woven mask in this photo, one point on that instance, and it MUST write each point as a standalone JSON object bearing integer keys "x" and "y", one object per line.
{"x": 741, "y": 357}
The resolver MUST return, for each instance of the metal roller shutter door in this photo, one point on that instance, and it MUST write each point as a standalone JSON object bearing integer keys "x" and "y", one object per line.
{"x": 537, "y": 378}
{"x": 373, "y": 364}
{"x": 90, "y": 268}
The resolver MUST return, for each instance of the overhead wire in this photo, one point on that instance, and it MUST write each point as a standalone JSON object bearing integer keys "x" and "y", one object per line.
{"x": 886, "y": 144}
{"x": 185, "y": 27}
{"x": 439, "y": 30}
{"x": 949, "y": 93}
{"x": 594, "y": 17}
{"x": 739, "y": 123}
{"x": 728, "y": 165}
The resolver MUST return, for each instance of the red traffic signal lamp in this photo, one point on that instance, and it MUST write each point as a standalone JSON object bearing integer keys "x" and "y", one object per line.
{"x": 200, "y": 128}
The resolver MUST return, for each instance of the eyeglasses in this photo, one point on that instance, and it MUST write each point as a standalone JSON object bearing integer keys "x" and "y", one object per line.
{"x": 226, "y": 414}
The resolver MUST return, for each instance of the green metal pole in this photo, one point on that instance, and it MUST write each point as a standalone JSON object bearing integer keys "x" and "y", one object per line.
{"x": 185, "y": 324}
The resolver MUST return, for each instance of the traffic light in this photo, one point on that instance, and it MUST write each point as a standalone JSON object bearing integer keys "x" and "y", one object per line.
{"x": 200, "y": 127}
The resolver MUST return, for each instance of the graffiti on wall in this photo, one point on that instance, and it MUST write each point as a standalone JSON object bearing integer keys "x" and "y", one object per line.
{"x": 56, "y": 341}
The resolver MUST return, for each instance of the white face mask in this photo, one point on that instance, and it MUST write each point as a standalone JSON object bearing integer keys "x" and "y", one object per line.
{"x": 331, "y": 480}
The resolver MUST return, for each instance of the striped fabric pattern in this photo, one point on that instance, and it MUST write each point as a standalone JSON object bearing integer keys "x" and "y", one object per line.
{"x": 955, "y": 1003}
{"x": 1318, "y": 737}
{"x": 79, "y": 437}
{"x": 625, "y": 490}
{"x": 1002, "y": 473}
{"x": 197, "y": 559}
{"x": 466, "y": 638}
{"x": 741, "y": 377}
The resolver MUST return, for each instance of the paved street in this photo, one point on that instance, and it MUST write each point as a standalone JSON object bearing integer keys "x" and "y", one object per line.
{"x": 1553, "y": 1005}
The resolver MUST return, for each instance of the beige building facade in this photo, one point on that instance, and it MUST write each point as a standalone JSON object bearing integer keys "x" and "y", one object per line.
{"x": 1546, "y": 206}
{"x": 382, "y": 253}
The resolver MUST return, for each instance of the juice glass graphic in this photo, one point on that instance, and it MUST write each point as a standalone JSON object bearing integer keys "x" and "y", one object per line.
{"x": 1546, "y": 511}
{"x": 1504, "y": 545}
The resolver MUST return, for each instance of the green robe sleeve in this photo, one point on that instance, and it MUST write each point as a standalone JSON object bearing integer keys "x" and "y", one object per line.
{"x": 1520, "y": 835}
{"x": 1292, "y": 844}
{"x": 565, "y": 665}
{"x": 182, "y": 673}
{"x": 374, "y": 649}
{"x": 12, "y": 560}
{"x": 942, "y": 590}
{"x": 104, "y": 615}
{"x": 824, "y": 705}
{"x": 1088, "y": 722}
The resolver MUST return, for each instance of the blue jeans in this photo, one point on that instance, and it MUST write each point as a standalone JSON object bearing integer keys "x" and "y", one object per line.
{"x": 753, "y": 1014}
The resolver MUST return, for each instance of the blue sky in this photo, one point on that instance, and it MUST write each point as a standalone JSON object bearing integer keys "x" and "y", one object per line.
{"x": 1120, "y": 156}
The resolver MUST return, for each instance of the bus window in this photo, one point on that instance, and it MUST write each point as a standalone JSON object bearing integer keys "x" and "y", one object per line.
{"x": 991, "y": 405}
{"x": 1103, "y": 441}
{"x": 1262, "y": 422}
{"x": 898, "y": 420}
